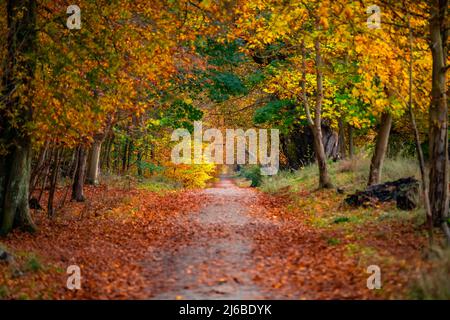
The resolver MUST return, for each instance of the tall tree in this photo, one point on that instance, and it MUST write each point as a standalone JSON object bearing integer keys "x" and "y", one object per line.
{"x": 438, "y": 137}
{"x": 381, "y": 144}
{"x": 15, "y": 115}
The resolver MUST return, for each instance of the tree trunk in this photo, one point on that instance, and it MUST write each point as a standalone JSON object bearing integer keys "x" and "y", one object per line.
{"x": 420, "y": 157}
{"x": 316, "y": 124}
{"x": 438, "y": 135}
{"x": 351, "y": 148}
{"x": 18, "y": 74}
{"x": 106, "y": 162}
{"x": 36, "y": 172}
{"x": 130, "y": 154}
{"x": 341, "y": 142}
{"x": 53, "y": 184}
{"x": 140, "y": 164}
{"x": 125, "y": 155}
{"x": 376, "y": 164}
{"x": 324, "y": 179}
{"x": 78, "y": 183}
{"x": 94, "y": 162}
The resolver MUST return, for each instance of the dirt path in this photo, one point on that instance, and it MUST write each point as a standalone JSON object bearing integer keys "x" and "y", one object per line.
{"x": 211, "y": 256}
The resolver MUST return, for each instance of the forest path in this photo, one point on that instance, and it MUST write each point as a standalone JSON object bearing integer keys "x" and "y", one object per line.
{"x": 211, "y": 256}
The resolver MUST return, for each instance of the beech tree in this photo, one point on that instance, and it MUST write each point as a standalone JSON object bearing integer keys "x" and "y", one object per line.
{"x": 15, "y": 115}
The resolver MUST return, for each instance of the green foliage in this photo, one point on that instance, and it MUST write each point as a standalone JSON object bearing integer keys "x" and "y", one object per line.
{"x": 255, "y": 78}
{"x": 333, "y": 241}
{"x": 341, "y": 219}
{"x": 252, "y": 173}
{"x": 221, "y": 54}
{"x": 276, "y": 111}
{"x": 150, "y": 167}
{"x": 181, "y": 115}
{"x": 222, "y": 85}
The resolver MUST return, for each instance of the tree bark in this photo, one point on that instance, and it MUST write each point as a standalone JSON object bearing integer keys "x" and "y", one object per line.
{"x": 420, "y": 157}
{"x": 324, "y": 178}
{"x": 40, "y": 165}
{"x": 125, "y": 155}
{"x": 341, "y": 141}
{"x": 351, "y": 148}
{"x": 376, "y": 164}
{"x": 53, "y": 184}
{"x": 78, "y": 183}
{"x": 18, "y": 74}
{"x": 438, "y": 135}
{"x": 316, "y": 123}
{"x": 94, "y": 162}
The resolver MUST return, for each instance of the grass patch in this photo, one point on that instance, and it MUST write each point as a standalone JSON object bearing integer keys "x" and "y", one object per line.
{"x": 4, "y": 292}
{"x": 33, "y": 264}
{"x": 349, "y": 174}
{"x": 434, "y": 284}
{"x": 333, "y": 241}
{"x": 159, "y": 184}
{"x": 341, "y": 220}
{"x": 417, "y": 216}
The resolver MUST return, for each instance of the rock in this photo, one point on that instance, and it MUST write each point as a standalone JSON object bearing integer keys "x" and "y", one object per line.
{"x": 404, "y": 191}
{"x": 6, "y": 257}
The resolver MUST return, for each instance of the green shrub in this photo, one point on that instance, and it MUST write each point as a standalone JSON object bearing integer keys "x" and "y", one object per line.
{"x": 252, "y": 173}
{"x": 341, "y": 219}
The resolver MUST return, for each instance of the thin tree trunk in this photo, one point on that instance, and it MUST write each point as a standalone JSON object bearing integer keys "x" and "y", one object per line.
{"x": 125, "y": 155}
{"x": 36, "y": 173}
{"x": 47, "y": 172}
{"x": 78, "y": 183}
{"x": 107, "y": 153}
{"x": 324, "y": 178}
{"x": 73, "y": 170}
{"x": 53, "y": 184}
{"x": 139, "y": 164}
{"x": 351, "y": 148}
{"x": 376, "y": 164}
{"x": 417, "y": 140}
{"x": 438, "y": 135}
{"x": 130, "y": 154}
{"x": 341, "y": 142}
{"x": 316, "y": 124}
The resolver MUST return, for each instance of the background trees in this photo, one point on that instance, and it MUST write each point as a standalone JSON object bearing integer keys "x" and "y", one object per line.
{"x": 104, "y": 99}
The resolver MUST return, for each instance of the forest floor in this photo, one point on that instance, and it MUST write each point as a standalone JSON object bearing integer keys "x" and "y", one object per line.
{"x": 224, "y": 242}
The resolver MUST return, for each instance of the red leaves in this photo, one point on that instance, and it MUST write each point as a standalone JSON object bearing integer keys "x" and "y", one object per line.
{"x": 213, "y": 243}
{"x": 108, "y": 243}
{"x": 299, "y": 258}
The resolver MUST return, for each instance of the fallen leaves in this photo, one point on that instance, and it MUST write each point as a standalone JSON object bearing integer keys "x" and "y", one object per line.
{"x": 107, "y": 238}
{"x": 136, "y": 244}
